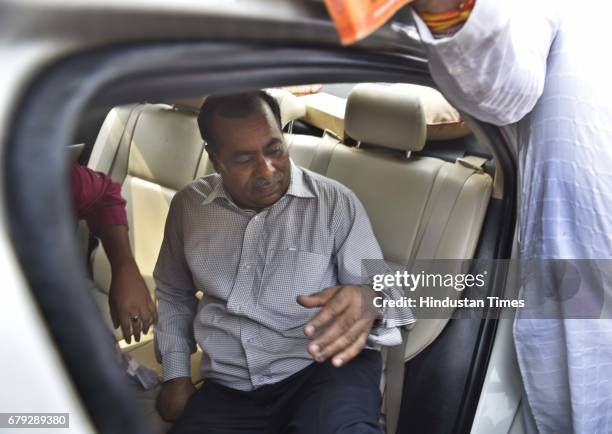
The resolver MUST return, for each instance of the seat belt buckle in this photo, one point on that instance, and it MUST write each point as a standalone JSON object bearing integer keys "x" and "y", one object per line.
{"x": 473, "y": 163}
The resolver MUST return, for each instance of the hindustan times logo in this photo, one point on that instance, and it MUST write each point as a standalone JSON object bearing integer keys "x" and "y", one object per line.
{"x": 413, "y": 281}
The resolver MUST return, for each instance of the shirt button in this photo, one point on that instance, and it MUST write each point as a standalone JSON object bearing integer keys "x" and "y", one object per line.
{"x": 247, "y": 267}
{"x": 250, "y": 340}
{"x": 238, "y": 309}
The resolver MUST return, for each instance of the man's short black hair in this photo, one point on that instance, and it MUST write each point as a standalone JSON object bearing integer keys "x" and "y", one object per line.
{"x": 234, "y": 106}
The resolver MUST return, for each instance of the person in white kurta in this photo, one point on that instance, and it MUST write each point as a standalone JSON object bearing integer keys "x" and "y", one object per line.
{"x": 540, "y": 70}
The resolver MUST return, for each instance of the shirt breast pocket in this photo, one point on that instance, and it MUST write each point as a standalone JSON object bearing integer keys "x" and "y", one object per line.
{"x": 289, "y": 272}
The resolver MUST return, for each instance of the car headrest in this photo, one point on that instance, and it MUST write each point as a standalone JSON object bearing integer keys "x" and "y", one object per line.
{"x": 380, "y": 115}
{"x": 291, "y": 107}
{"x": 443, "y": 121}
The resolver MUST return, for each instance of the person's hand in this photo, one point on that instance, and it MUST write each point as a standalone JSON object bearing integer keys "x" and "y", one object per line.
{"x": 173, "y": 398}
{"x": 436, "y": 6}
{"x": 350, "y": 312}
{"x": 131, "y": 306}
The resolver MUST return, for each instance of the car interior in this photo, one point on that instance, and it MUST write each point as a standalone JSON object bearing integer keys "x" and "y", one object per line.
{"x": 423, "y": 176}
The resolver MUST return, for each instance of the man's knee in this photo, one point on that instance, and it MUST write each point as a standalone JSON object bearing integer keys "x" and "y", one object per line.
{"x": 341, "y": 400}
{"x": 336, "y": 423}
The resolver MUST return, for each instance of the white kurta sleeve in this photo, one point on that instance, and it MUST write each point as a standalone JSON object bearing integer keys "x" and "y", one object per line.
{"x": 494, "y": 67}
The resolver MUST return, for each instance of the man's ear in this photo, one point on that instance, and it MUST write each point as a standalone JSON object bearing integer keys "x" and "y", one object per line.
{"x": 213, "y": 158}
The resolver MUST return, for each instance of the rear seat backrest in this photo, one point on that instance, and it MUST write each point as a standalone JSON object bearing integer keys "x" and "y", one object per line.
{"x": 394, "y": 193}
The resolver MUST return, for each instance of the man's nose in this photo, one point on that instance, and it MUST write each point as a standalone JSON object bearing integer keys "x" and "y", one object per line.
{"x": 265, "y": 169}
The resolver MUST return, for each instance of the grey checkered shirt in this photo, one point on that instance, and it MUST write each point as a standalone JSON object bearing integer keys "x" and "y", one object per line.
{"x": 251, "y": 267}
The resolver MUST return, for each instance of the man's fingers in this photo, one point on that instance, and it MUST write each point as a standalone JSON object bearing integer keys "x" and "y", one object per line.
{"x": 339, "y": 337}
{"x": 340, "y": 327}
{"x": 330, "y": 310}
{"x": 318, "y": 299}
{"x": 126, "y": 328}
{"x": 136, "y": 326}
{"x": 351, "y": 352}
{"x": 146, "y": 322}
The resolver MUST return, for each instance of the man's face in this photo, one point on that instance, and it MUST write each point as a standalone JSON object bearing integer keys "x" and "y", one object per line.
{"x": 252, "y": 158}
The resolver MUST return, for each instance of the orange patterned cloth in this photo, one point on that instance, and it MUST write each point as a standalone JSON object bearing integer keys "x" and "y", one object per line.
{"x": 443, "y": 21}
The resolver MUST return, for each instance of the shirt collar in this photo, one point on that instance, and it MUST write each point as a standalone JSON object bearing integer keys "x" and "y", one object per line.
{"x": 298, "y": 186}
{"x": 218, "y": 191}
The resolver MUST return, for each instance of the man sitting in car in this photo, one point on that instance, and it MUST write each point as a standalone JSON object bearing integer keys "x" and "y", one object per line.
{"x": 288, "y": 328}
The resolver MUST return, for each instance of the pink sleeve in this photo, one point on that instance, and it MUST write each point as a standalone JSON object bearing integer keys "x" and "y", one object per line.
{"x": 96, "y": 198}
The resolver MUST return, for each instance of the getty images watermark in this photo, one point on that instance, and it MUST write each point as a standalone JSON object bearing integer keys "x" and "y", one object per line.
{"x": 458, "y": 282}
{"x": 536, "y": 289}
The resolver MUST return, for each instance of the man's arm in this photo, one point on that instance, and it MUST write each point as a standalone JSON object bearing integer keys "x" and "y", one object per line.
{"x": 131, "y": 305}
{"x": 494, "y": 66}
{"x": 97, "y": 200}
{"x": 174, "y": 340}
{"x": 349, "y": 307}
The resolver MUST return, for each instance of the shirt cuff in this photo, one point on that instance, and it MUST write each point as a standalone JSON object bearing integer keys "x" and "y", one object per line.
{"x": 391, "y": 317}
{"x": 381, "y": 336}
{"x": 175, "y": 365}
{"x": 386, "y": 329}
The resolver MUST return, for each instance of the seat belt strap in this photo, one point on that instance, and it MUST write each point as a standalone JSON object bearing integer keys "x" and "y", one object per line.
{"x": 324, "y": 152}
{"x": 394, "y": 384}
{"x": 119, "y": 166}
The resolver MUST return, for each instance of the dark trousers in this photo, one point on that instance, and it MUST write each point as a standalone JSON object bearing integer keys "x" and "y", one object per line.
{"x": 320, "y": 399}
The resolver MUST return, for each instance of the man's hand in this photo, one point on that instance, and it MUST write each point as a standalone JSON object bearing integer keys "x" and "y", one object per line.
{"x": 173, "y": 398}
{"x": 436, "y": 6}
{"x": 130, "y": 302}
{"x": 350, "y": 312}
{"x": 131, "y": 306}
